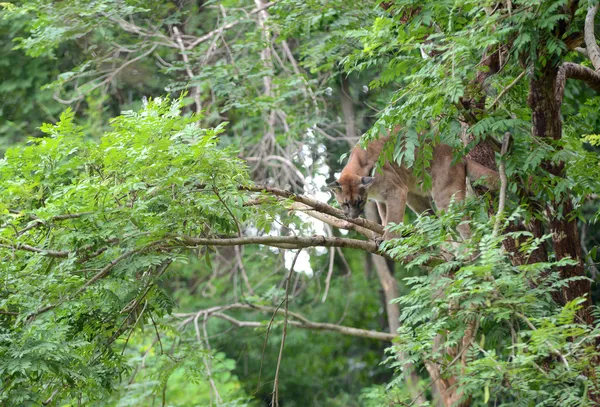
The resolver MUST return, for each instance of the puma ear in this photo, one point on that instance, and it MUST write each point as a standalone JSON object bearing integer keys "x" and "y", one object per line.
{"x": 367, "y": 181}
{"x": 335, "y": 186}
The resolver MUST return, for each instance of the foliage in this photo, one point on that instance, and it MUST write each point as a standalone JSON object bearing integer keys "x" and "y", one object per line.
{"x": 522, "y": 350}
{"x": 85, "y": 211}
{"x": 97, "y": 276}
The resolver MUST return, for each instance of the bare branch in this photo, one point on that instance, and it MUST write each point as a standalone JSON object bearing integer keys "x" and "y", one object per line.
{"x": 506, "y": 89}
{"x": 45, "y": 252}
{"x": 219, "y": 30}
{"x": 188, "y": 69}
{"x": 298, "y": 321}
{"x": 288, "y": 242}
{"x": 329, "y": 273}
{"x": 284, "y": 160}
{"x": 582, "y": 51}
{"x": 590, "y": 39}
{"x": 503, "y": 182}
{"x": 290, "y": 57}
{"x": 109, "y": 78}
{"x": 333, "y": 221}
{"x": 134, "y": 29}
{"x": 318, "y": 206}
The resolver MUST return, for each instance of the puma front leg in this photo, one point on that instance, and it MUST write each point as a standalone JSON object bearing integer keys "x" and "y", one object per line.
{"x": 381, "y": 208}
{"x": 395, "y": 206}
{"x": 449, "y": 183}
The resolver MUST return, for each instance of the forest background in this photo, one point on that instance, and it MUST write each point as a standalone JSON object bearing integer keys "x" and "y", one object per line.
{"x": 164, "y": 232}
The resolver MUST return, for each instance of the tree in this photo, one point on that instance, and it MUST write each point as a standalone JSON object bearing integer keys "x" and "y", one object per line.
{"x": 97, "y": 225}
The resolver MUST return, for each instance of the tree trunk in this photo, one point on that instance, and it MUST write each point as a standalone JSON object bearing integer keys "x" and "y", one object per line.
{"x": 545, "y": 102}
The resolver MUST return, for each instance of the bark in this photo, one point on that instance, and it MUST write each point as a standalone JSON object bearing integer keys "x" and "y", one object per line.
{"x": 590, "y": 39}
{"x": 545, "y": 103}
{"x": 570, "y": 70}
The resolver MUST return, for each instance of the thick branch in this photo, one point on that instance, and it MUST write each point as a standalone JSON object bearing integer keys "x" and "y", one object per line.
{"x": 295, "y": 242}
{"x": 590, "y": 39}
{"x": 575, "y": 71}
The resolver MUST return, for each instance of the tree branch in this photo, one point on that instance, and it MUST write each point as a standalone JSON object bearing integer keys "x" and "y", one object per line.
{"x": 318, "y": 206}
{"x": 288, "y": 242}
{"x": 503, "y": 184}
{"x": 333, "y": 221}
{"x": 45, "y": 252}
{"x": 219, "y": 30}
{"x": 299, "y": 321}
{"x": 572, "y": 70}
{"x": 590, "y": 39}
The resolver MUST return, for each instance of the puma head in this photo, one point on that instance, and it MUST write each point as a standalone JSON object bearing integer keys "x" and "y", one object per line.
{"x": 351, "y": 192}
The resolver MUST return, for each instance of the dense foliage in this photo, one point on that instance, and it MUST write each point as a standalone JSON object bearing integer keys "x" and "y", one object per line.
{"x": 123, "y": 283}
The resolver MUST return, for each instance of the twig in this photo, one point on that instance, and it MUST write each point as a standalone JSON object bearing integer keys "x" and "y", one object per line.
{"x": 275, "y": 398}
{"x": 329, "y": 273}
{"x": 240, "y": 264}
{"x": 237, "y": 224}
{"x": 49, "y": 253}
{"x": 266, "y": 341}
{"x": 219, "y": 30}
{"x": 133, "y": 326}
{"x": 213, "y": 386}
{"x": 188, "y": 69}
{"x": 109, "y": 78}
{"x": 552, "y": 348}
{"x": 506, "y": 89}
{"x": 103, "y": 273}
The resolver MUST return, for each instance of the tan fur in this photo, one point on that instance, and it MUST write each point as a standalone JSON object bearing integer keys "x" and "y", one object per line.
{"x": 396, "y": 186}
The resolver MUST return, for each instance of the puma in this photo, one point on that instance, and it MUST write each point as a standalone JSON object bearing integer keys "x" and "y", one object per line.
{"x": 396, "y": 186}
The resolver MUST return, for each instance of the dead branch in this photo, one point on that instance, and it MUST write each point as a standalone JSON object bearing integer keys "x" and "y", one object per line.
{"x": 45, "y": 252}
{"x": 107, "y": 80}
{"x": 333, "y": 221}
{"x": 317, "y": 206}
{"x": 188, "y": 69}
{"x": 227, "y": 26}
{"x": 297, "y": 320}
